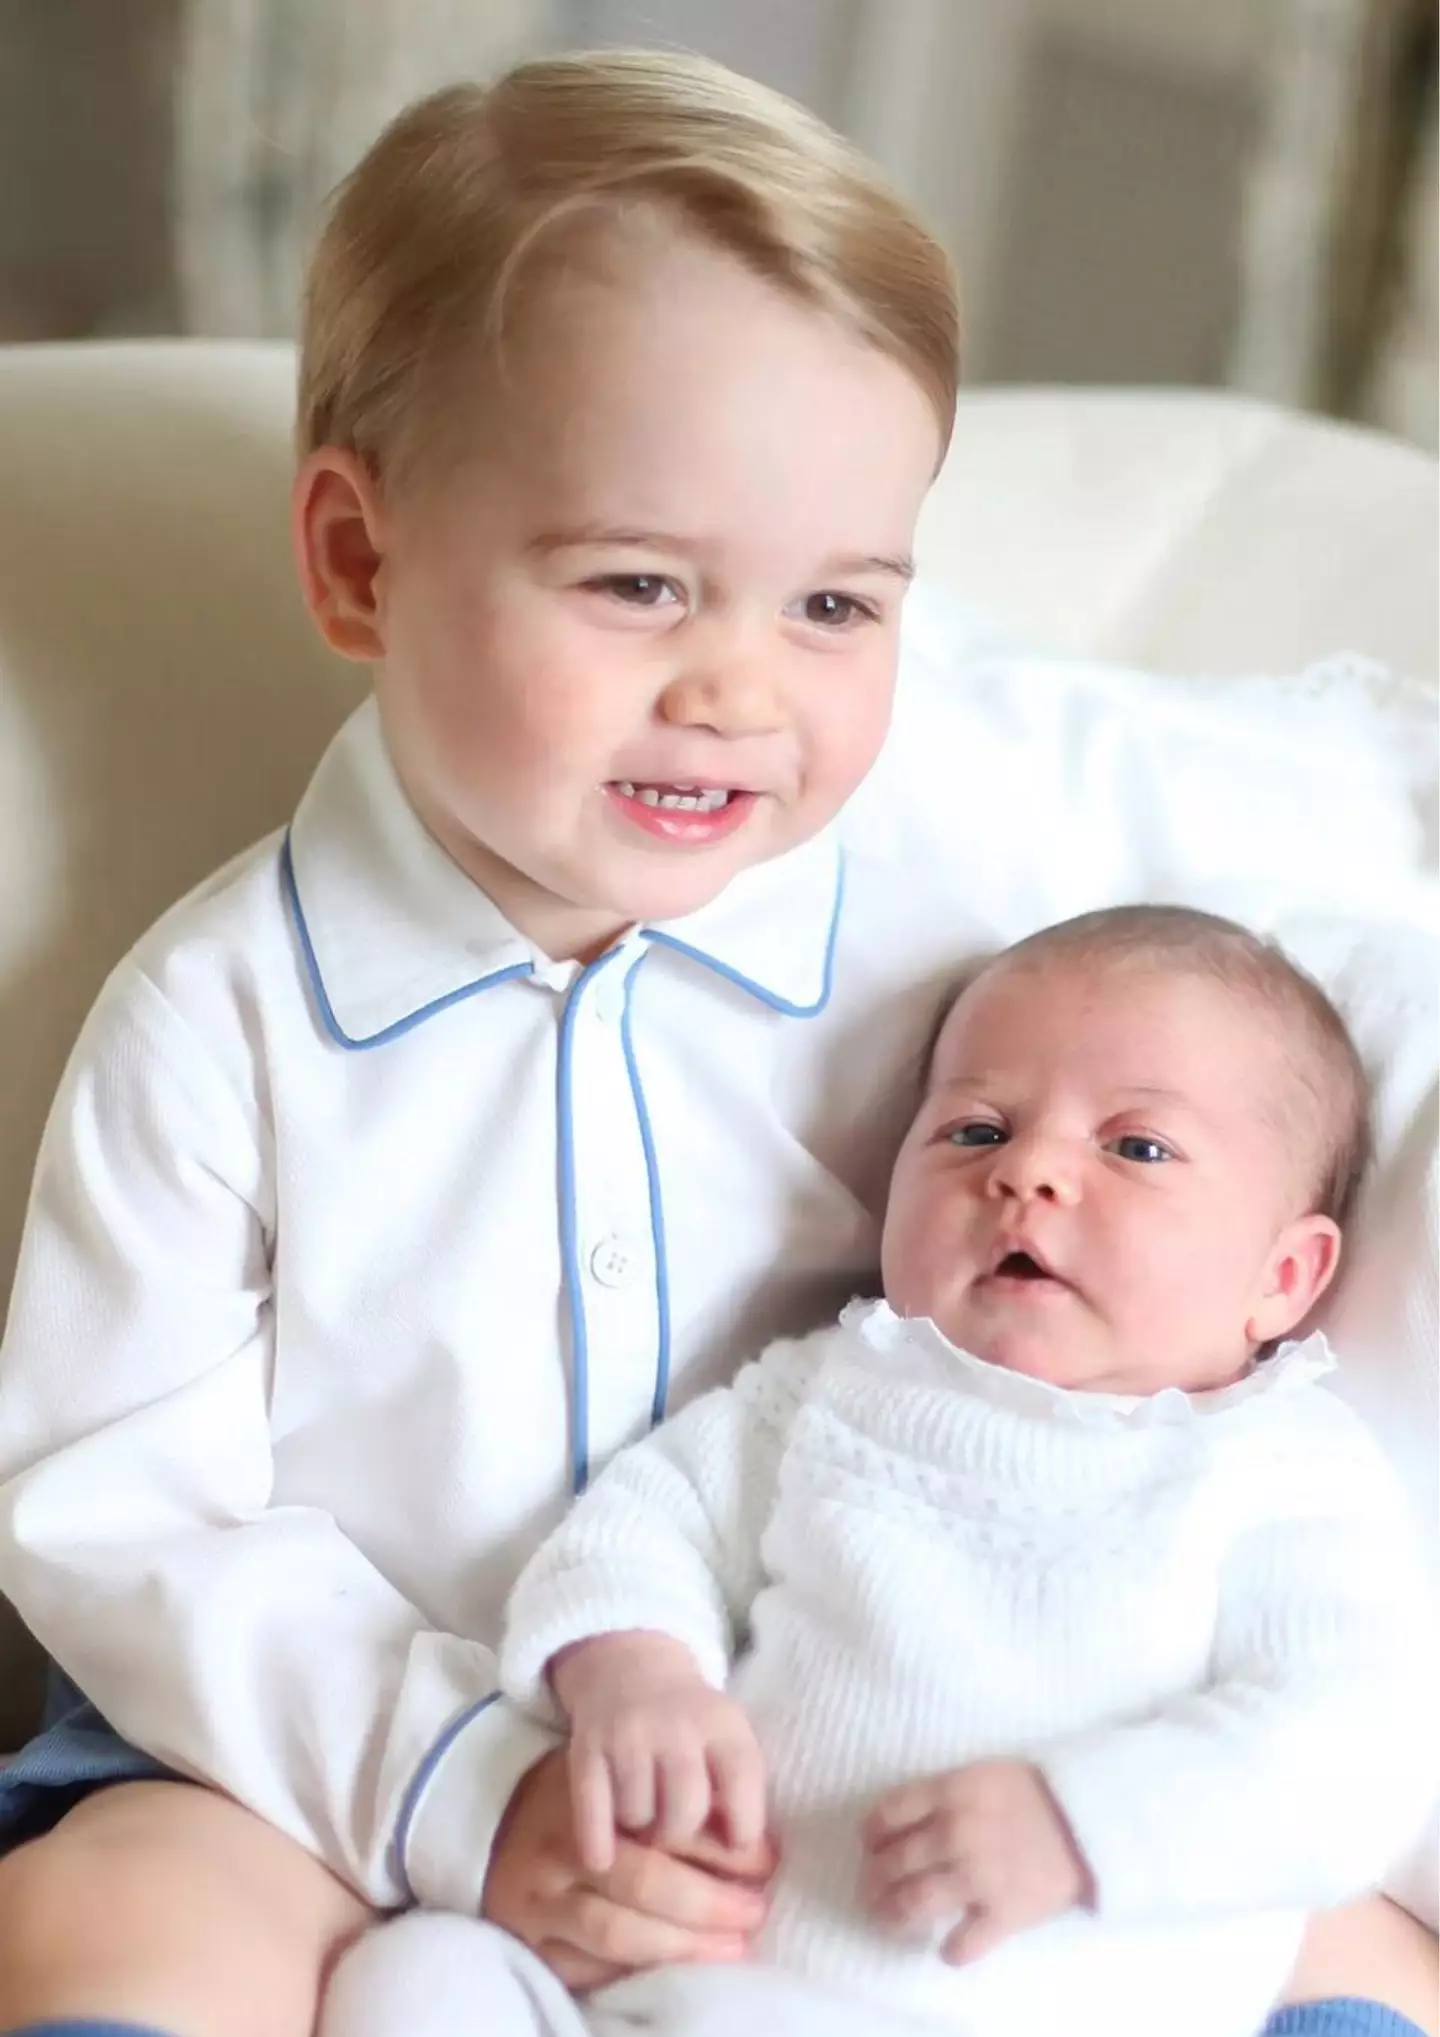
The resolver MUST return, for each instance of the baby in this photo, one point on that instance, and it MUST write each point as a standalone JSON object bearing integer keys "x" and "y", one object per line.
{"x": 1076, "y": 1629}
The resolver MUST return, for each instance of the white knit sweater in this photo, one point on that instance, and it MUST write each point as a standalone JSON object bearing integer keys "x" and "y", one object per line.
{"x": 1199, "y": 1615}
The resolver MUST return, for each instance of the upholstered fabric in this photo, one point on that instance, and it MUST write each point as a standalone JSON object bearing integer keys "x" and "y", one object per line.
{"x": 162, "y": 697}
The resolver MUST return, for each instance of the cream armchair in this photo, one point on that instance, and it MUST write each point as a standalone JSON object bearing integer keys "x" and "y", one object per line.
{"x": 162, "y": 697}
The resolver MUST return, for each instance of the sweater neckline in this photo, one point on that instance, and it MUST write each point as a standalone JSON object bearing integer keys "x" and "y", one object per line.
{"x": 1296, "y": 1363}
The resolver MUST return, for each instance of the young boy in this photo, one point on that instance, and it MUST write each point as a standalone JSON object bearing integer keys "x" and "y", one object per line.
{"x": 550, "y": 1060}
{"x": 1080, "y": 1634}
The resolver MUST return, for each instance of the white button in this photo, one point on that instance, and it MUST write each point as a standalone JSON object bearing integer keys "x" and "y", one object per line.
{"x": 614, "y": 1262}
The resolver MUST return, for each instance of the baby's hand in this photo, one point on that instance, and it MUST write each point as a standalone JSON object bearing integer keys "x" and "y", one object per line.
{"x": 988, "y": 1841}
{"x": 653, "y": 1749}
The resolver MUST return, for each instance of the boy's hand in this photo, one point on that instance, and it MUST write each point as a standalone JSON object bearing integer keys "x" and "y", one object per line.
{"x": 654, "y": 1749}
{"x": 989, "y": 1841}
{"x": 702, "y": 1903}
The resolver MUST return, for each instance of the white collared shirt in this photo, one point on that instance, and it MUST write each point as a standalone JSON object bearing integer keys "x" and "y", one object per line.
{"x": 360, "y": 1229}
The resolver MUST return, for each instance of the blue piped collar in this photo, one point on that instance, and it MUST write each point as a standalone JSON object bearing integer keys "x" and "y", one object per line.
{"x": 391, "y": 931}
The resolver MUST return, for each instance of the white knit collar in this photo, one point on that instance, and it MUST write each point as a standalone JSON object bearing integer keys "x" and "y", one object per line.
{"x": 1295, "y": 1364}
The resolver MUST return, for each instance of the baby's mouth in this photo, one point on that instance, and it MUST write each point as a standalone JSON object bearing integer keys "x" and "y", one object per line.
{"x": 1019, "y": 1268}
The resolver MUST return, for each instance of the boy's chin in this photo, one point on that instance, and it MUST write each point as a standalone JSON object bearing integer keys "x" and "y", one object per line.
{"x": 673, "y": 894}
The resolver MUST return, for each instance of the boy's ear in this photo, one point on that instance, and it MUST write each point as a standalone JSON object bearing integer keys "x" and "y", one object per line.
{"x": 1300, "y": 1267}
{"x": 337, "y": 528}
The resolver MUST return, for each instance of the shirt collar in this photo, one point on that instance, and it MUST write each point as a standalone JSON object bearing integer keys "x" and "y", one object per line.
{"x": 392, "y": 931}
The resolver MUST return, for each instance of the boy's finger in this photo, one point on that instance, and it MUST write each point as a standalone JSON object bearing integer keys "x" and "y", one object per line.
{"x": 715, "y": 1851}
{"x": 575, "y": 1969}
{"x": 738, "y": 1782}
{"x": 647, "y": 1879}
{"x": 610, "y": 1933}
{"x": 593, "y": 1809}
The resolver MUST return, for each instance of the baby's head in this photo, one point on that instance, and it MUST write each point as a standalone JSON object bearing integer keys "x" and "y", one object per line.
{"x": 1141, "y": 1133}
{"x": 622, "y": 382}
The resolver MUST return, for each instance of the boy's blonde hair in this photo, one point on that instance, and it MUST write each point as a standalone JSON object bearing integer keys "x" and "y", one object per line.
{"x": 478, "y": 184}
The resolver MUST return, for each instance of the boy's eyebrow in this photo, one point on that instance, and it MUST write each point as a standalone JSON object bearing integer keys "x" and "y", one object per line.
{"x": 899, "y": 564}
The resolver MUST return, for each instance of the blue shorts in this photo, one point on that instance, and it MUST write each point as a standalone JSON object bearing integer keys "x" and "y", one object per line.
{"x": 76, "y": 1753}
{"x": 1345, "y": 2016}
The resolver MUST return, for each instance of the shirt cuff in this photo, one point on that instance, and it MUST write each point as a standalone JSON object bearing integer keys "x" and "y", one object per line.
{"x": 456, "y": 1800}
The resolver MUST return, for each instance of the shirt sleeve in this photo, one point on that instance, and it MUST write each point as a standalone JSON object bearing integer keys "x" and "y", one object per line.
{"x": 1305, "y": 1764}
{"x": 668, "y": 1539}
{"x": 249, "y": 1645}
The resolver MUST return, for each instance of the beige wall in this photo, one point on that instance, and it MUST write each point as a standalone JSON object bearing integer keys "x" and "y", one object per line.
{"x": 85, "y": 129}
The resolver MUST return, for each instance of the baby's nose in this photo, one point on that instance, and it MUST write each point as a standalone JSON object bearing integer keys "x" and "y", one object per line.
{"x": 1034, "y": 1170}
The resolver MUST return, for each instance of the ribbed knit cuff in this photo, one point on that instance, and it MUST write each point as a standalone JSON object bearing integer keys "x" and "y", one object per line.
{"x": 1340, "y": 2016}
{"x": 70, "y": 2028}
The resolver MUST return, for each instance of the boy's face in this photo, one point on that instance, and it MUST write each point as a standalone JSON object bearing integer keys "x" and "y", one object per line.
{"x": 646, "y": 635}
{"x": 1097, "y": 1190}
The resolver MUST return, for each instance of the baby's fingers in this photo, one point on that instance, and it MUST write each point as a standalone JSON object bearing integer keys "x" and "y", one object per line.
{"x": 737, "y": 1775}
{"x": 914, "y": 1905}
{"x": 909, "y": 1852}
{"x": 684, "y": 1794}
{"x": 978, "y": 1932}
{"x": 901, "y": 1809}
{"x": 592, "y": 1803}
{"x": 634, "y": 1780}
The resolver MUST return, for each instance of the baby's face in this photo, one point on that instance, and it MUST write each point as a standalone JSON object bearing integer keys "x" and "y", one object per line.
{"x": 646, "y": 635}
{"x": 1097, "y": 1191}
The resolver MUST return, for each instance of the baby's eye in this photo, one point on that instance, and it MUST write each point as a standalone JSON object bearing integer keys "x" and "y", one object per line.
{"x": 636, "y": 590}
{"x": 979, "y": 1132}
{"x": 834, "y": 611}
{"x": 1136, "y": 1146}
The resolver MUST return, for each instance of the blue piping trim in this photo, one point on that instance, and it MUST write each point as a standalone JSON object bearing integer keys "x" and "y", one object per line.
{"x": 748, "y": 983}
{"x": 570, "y": 1226}
{"x": 317, "y": 981}
{"x": 657, "y": 1211}
{"x": 418, "y": 1784}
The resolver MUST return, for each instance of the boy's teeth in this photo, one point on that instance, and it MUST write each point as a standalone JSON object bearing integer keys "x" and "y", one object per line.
{"x": 674, "y": 796}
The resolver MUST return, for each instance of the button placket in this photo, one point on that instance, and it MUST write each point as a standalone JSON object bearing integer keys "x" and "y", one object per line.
{"x": 616, "y": 1257}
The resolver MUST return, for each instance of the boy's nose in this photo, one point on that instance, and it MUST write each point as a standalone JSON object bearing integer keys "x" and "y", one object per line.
{"x": 733, "y": 697}
{"x": 1034, "y": 1170}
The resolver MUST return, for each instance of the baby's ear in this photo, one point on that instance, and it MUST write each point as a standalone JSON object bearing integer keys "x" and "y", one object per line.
{"x": 1300, "y": 1267}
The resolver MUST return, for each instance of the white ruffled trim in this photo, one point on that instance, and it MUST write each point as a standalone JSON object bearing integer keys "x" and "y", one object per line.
{"x": 1294, "y": 1364}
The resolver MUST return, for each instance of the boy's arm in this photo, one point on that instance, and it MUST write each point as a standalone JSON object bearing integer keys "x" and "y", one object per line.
{"x": 668, "y": 1538}
{"x": 248, "y": 1645}
{"x": 1299, "y": 1772}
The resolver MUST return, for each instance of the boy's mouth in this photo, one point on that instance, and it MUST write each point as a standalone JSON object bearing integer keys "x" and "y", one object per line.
{"x": 677, "y": 798}
{"x": 683, "y": 816}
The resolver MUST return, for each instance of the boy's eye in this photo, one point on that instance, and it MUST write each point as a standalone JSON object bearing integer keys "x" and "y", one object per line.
{"x": 834, "y": 611}
{"x": 1136, "y": 1146}
{"x": 636, "y": 590}
{"x": 979, "y": 1132}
